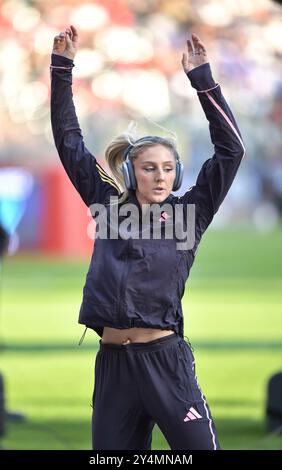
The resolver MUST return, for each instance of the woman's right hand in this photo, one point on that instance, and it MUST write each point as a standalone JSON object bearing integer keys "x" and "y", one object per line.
{"x": 66, "y": 43}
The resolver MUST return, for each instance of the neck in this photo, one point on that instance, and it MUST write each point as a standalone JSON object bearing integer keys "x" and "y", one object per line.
{"x": 141, "y": 199}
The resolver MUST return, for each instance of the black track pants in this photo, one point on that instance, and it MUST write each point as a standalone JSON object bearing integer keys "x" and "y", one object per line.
{"x": 140, "y": 384}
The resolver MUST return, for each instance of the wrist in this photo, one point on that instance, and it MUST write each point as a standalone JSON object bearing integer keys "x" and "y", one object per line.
{"x": 201, "y": 77}
{"x": 57, "y": 59}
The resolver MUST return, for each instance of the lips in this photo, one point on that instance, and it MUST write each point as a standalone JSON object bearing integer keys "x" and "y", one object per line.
{"x": 158, "y": 189}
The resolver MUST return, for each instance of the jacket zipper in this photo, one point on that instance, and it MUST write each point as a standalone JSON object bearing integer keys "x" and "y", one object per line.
{"x": 124, "y": 277}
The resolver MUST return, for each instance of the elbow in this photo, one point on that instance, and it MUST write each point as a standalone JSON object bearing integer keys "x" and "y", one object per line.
{"x": 243, "y": 153}
{"x": 240, "y": 148}
{"x": 240, "y": 153}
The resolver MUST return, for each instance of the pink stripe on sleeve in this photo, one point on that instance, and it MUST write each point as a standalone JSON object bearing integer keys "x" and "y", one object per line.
{"x": 228, "y": 120}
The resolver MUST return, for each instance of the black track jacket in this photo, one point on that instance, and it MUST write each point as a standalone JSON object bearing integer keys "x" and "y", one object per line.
{"x": 134, "y": 282}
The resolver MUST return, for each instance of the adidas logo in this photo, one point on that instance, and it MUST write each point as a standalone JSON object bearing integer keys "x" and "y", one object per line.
{"x": 192, "y": 414}
{"x": 164, "y": 216}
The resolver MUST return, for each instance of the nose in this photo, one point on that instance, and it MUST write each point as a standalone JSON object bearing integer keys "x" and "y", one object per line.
{"x": 160, "y": 174}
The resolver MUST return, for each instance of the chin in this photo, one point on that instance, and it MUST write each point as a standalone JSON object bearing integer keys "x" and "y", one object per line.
{"x": 157, "y": 198}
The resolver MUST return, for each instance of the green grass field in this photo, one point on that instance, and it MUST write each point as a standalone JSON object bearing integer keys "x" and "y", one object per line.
{"x": 233, "y": 317}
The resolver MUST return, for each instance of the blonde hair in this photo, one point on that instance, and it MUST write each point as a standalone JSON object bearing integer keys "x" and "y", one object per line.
{"x": 116, "y": 148}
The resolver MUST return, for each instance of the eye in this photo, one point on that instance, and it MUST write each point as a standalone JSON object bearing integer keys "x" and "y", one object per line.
{"x": 149, "y": 169}
{"x": 168, "y": 169}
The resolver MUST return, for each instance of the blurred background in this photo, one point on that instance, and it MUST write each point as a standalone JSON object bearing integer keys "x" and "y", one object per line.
{"x": 129, "y": 68}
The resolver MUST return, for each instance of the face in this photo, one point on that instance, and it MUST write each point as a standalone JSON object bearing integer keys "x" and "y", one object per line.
{"x": 154, "y": 170}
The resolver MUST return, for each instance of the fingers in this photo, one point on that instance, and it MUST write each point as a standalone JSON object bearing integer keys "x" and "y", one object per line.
{"x": 198, "y": 44}
{"x": 74, "y": 33}
{"x": 195, "y": 44}
{"x": 59, "y": 42}
{"x": 190, "y": 47}
{"x": 71, "y": 36}
{"x": 196, "y": 55}
{"x": 60, "y": 38}
{"x": 68, "y": 36}
{"x": 68, "y": 32}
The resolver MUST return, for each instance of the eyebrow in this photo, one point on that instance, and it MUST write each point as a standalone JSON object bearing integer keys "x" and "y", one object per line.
{"x": 169, "y": 161}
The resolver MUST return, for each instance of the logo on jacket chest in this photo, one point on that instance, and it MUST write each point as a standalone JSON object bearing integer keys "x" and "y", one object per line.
{"x": 152, "y": 222}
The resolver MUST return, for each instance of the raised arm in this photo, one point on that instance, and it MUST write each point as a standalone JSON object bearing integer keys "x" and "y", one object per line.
{"x": 88, "y": 177}
{"x": 217, "y": 173}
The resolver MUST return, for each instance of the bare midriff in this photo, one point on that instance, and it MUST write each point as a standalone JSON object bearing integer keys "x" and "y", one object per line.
{"x": 132, "y": 335}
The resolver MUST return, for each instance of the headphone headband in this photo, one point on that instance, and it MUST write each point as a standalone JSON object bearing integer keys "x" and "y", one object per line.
{"x": 151, "y": 138}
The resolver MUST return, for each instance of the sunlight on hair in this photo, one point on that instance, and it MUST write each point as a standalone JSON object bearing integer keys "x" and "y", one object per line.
{"x": 132, "y": 132}
{"x": 173, "y": 137}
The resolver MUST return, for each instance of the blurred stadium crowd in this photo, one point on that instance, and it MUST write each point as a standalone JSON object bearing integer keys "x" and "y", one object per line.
{"x": 129, "y": 68}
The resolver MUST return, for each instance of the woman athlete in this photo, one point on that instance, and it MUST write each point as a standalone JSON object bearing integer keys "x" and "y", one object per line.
{"x": 144, "y": 369}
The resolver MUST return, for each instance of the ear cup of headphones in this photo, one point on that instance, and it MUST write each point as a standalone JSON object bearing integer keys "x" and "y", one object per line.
{"x": 129, "y": 175}
{"x": 179, "y": 176}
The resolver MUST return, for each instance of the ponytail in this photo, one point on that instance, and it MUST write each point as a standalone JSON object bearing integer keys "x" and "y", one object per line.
{"x": 114, "y": 157}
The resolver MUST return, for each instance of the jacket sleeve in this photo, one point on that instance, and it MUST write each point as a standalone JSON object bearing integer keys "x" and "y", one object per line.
{"x": 87, "y": 176}
{"x": 217, "y": 173}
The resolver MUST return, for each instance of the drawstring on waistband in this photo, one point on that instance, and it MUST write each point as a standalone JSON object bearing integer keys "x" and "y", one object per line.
{"x": 82, "y": 337}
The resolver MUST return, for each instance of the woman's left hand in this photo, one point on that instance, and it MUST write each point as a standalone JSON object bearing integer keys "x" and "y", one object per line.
{"x": 195, "y": 57}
